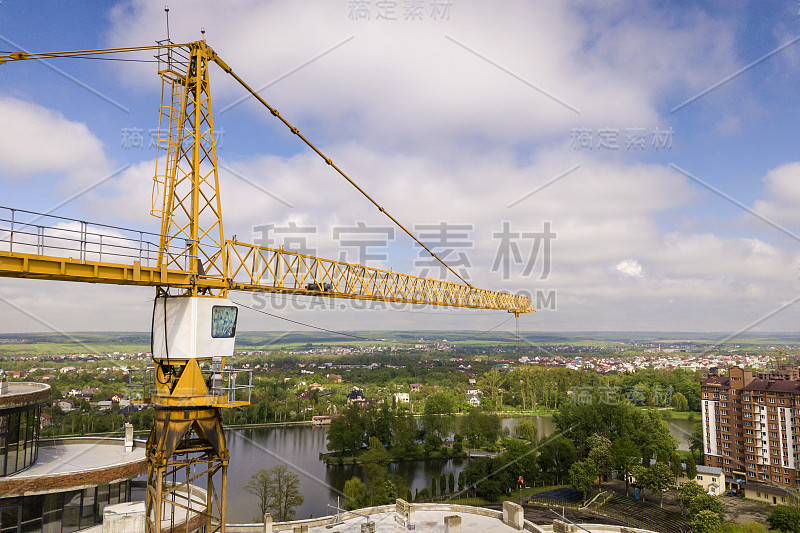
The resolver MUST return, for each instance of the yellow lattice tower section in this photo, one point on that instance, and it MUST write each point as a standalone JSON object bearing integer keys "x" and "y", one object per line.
{"x": 192, "y": 237}
{"x": 187, "y": 442}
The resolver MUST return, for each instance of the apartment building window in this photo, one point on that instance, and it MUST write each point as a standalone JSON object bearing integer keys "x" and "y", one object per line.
{"x": 773, "y": 417}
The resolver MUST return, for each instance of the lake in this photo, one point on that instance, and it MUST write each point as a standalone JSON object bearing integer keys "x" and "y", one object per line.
{"x": 299, "y": 448}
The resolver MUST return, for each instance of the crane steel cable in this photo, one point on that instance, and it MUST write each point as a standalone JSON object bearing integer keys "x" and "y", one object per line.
{"x": 328, "y": 160}
{"x": 351, "y": 335}
{"x": 225, "y": 67}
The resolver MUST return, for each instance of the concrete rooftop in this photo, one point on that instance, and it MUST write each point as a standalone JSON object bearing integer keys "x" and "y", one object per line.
{"x": 78, "y": 456}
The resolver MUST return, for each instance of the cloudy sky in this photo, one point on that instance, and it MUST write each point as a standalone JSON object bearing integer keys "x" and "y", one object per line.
{"x": 632, "y": 168}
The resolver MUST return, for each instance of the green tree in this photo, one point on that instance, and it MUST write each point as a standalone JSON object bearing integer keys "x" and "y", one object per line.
{"x": 491, "y": 383}
{"x": 481, "y": 429}
{"x": 691, "y": 467}
{"x": 403, "y": 436}
{"x": 355, "y": 494}
{"x": 442, "y": 483}
{"x": 706, "y": 502}
{"x": 688, "y": 492}
{"x": 675, "y": 466}
{"x": 582, "y": 475}
{"x": 706, "y": 522}
{"x": 600, "y": 454}
{"x": 436, "y": 419}
{"x": 376, "y": 463}
{"x": 526, "y": 429}
{"x": 658, "y": 480}
{"x": 461, "y": 481}
{"x": 278, "y": 491}
{"x": 519, "y": 459}
{"x": 433, "y": 486}
{"x": 337, "y": 436}
{"x": 626, "y": 456}
{"x": 679, "y": 402}
{"x": 451, "y": 483}
{"x": 555, "y": 458}
{"x": 458, "y": 443}
{"x": 784, "y": 519}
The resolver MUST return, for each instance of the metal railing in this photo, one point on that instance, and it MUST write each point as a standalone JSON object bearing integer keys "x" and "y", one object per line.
{"x": 225, "y": 385}
{"x": 224, "y": 381}
{"x": 24, "y": 231}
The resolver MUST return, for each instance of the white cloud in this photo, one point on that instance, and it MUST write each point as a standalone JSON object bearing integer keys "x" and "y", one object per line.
{"x": 35, "y": 140}
{"x": 630, "y": 268}
{"x": 424, "y": 84}
{"x": 781, "y": 196}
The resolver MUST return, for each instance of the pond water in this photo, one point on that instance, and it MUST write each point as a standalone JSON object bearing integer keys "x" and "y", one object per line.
{"x": 300, "y": 447}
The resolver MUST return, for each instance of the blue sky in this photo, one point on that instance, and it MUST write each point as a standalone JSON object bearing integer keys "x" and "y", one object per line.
{"x": 462, "y": 112}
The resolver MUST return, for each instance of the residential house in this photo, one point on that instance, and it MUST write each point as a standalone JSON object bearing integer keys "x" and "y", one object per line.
{"x": 401, "y": 397}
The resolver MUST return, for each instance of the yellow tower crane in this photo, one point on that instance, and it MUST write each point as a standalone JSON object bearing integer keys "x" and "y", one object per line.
{"x": 198, "y": 325}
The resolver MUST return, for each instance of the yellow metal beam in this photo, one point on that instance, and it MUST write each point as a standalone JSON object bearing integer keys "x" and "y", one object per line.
{"x": 19, "y": 265}
{"x": 259, "y": 269}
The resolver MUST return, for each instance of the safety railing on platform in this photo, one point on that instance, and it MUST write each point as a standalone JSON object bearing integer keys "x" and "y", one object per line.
{"x": 23, "y": 231}
{"x": 226, "y": 385}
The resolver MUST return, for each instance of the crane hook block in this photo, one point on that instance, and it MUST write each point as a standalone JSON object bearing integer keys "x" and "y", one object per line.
{"x": 195, "y": 327}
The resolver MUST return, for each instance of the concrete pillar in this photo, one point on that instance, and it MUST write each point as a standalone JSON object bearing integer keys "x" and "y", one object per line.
{"x": 513, "y": 515}
{"x": 404, "y": 513}
{"x": 267, "y": 523}
{"x": 128, "y": 437}
{"x": 452, "y": 524}
{"x": 368, "y": 527}
{"x": 562, "y": 527}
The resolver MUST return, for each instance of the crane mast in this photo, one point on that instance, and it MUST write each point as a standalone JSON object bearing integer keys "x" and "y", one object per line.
{"x": 193, "y": 330}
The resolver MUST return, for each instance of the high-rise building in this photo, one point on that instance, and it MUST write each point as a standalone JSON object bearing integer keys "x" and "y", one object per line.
{"x": 751, "y": 425}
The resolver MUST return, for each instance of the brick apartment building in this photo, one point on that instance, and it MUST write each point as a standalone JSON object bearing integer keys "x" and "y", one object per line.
{"x": 751, "y": 425}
